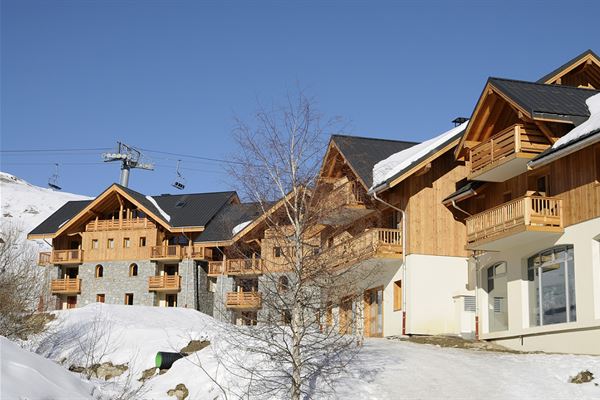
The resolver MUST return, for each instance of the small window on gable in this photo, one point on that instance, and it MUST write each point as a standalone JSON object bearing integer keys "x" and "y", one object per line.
{"x": 99, "y": 271}
{"x": 143, "y": 241}
{"x": 126, "y": 242}
{"x": 110, "y": 243}
{"x": 133, "y": 270}
{"x": 94, "y": 243}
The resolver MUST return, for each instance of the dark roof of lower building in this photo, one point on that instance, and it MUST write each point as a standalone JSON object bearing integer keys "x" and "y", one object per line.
{"x": 552, "y": 101}
{"x": 572, "y": 61}
{"x": 220, "y": 228}
{"x": 466, "y": 188}
{"x": 363, "y": 153}
{"x": 60, "y": 217}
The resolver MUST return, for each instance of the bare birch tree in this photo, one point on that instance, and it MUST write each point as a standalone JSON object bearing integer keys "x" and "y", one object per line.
{"x": 298, "y": 345}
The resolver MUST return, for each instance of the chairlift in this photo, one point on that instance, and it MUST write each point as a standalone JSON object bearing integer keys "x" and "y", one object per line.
{"x": 53, "y": 180}
{"x": 179, "y": 182}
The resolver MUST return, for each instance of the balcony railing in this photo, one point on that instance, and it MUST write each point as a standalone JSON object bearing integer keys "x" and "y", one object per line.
{"x": 215, "y": 268}
{"x": 517, "y": 139}
{"x": 245, "y": 266}
{"x": 115, "y": 224}
{"x": 67, "y": 256}
{"x": 346, "y": 194}
{"x": 244, "y": 300}
{"x": 164, "y": 283}
{"x": 537, "y": 212}
{"x": 198, "y": 252}
{"x": 45, "y": 258}
{"x": 374, "y": 242}
{"x": 173, "y": 252}
{"x": 65, "y": 286}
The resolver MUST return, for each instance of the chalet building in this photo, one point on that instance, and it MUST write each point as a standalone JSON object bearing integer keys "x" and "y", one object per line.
{"x": 127, "y": 248}
{"x": 531, "y": 208}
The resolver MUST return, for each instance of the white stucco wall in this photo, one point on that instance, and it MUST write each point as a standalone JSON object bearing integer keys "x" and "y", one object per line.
{"x": 556, "y": 337}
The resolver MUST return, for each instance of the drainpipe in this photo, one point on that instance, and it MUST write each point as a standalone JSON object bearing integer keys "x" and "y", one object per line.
{"x": 405, "y": 286}
{"x": 460, "y": 209}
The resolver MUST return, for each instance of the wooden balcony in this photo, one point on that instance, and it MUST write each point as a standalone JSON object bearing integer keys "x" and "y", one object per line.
{"x": 174, "y": 252}
{"x": 244, "y": 266}
{"x": 342, "y": 203}
{"x": 116, "y": 224}
{"x": 515, "y": 222}
{"x": 45, "y": 258}
{"x": 506, "y": 153}
{"x": 198, "y": 252}
{"x": 65, "y": 286}
{"x": 164, "y": 283}
{"x": 67, "y": 256}
{"x": 215, "y": 268}
{"x": 243, "y": 300}
{"x": 372, "y": 243}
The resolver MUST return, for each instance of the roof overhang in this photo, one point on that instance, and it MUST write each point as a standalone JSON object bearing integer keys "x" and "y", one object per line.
{"x": 569, "y": 148}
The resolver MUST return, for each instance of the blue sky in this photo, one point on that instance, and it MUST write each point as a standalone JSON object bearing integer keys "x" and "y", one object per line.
{"x": 170, "y": 75}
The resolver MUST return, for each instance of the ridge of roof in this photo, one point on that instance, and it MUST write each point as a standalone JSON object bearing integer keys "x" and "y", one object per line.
{"x": 559, "y": 87}
{"x": 372, "y": 138}
{"x": 565, "y": 65}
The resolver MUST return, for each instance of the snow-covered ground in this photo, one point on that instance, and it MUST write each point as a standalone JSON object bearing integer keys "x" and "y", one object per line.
{"x": 26, "y": 375}
{"x": 26, "y": 205}
{"x": 384, "y": 369}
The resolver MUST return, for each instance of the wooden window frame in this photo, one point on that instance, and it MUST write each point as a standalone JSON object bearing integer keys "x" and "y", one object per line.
{"x": 100, "y": 298}
{"x": 126, "y": 242}
{"x": 99, "y": 271}
{"x": 133, "y": 269}
{"x": 95, "y": 244}
{"x": 277, "y": 252}
{"x": 110, "y": 243}
{"x": 128, "y": 296}
{"x": 142, "y": 241}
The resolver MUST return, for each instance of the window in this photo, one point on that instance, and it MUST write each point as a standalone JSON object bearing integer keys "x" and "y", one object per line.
{"x": 94, "y": 243}
{"x": 171, "y": 300}
{"x": 284, "y": 283}
{"x": 211, "y": 284}
{"x": 126, "y": 242}
{"x": 497, "y": 297}
{"x": 71, "y": 302}
{"x": 128, "y": 299}
{"x": 100, "y": 298}
{"x": 99, "y": 271}
{"x": 133, "y": 270}
{"x": 110, "y": 244}
{"x": 397, "y": 295}
{"x": 277, "y": 252}
{"x": 143, "y": 241}
{"x": 551, "y": 275}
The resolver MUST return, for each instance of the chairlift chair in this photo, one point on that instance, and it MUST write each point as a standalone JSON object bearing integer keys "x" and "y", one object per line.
{"x": 179, "y": 182}
{"x": 53, "y": 180}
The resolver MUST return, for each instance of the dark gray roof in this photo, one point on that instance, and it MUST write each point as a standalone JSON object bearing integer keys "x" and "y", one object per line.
{"x": 572, "y": 61}
{"x": 195, "y": 209}
{"x": 221, "y": 226}
{"x": 467, "y": 187}
{"x": 363, "y": 153}
{"x": 60, "y": 216}
{"x": 555, "y": 101}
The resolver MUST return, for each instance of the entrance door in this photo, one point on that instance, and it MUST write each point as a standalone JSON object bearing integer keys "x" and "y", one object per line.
{"x": 71, "y": 302}
{"x": 374, "y": 312}
{"x": 171, "y": 300}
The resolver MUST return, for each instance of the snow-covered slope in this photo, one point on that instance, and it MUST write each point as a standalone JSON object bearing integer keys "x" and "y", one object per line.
{"x": 384, "y": 369}
{"x": 26, "y": 205}
{"x": 26, "y": 375}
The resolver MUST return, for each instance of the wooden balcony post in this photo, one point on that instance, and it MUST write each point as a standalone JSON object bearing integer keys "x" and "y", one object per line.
{"x": 517, "y": 134}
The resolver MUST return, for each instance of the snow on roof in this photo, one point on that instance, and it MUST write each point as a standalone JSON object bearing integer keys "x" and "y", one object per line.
{"x": 590, "y": 125}
{"x": 160, "y": 210}
{"x": 396, "y": 163}
{"x": 238, "y": 228}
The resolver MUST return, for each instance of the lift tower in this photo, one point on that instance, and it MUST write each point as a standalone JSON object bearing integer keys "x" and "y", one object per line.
{"x": 130, "y": 158}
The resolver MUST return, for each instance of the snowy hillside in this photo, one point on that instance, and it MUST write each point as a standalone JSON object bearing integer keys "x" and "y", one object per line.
{"x": 384, "y": 369}
{"x": 27, "y": 205}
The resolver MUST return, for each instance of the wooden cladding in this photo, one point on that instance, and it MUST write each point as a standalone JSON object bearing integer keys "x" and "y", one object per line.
{"x": 517, "y": 140}
{"x": 117, "y": 224}
{"x": 348, "y": 193}
{"x": 173, "y": 252}
{"x": 65, "y": 286}
{"x": 528, "y": 211}
{"x": 374, "y": 242}
{"x": 164, "y": 283}
{"x": 198, "y": 252}
{"x": 243, "y": 300}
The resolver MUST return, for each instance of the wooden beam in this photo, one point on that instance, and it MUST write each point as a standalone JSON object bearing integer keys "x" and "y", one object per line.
{"x": 547, "y": 132}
